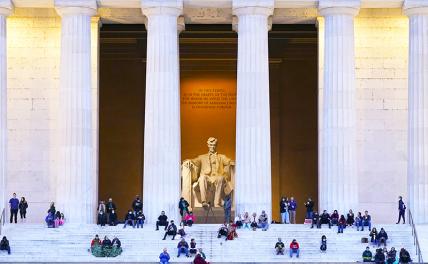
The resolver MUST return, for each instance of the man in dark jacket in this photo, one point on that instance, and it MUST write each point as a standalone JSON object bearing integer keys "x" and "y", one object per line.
{"x": 140, "y": 218}
{"x": 367, "y": 255}
{"x": 315, "y": 219}
{"x": 324, "y": 219}
{"x": 379, "y": 258}
{"x": 4, "y": 245}
{"x": 171, "y": 230}
{"x": 279, "y": 247}
{"x": 183, "y": 247}
{"x": 381, "y": 237}
{"x": 129, "y": 219}
{"x": 401, "y": 210}
{"x": 112, "y": 216}
{"x": 183, "y": 206}
{"x": 137, "y": 205}
{"x": 14, "y": 207}
{"x": 162, "y": 221}
{"x": 309, "y": 208}
{"x": 116, "y": 242}
{"x": 367, "y": 221}
{"x": 110, "y": 206}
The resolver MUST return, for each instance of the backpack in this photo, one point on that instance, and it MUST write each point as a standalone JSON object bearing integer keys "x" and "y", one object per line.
{"x": 364, "y": 240}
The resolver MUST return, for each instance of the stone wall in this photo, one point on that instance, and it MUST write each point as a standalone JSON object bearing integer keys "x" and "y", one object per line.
{"x": 33, "y": 57}
{"x": 381, "y": 46}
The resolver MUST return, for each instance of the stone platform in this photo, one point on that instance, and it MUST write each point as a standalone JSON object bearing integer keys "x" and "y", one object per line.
{"x": 36, "y": 243}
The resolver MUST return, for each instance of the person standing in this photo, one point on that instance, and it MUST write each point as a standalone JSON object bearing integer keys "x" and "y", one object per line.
{"x": 401, "y": 210}
{"x": 292, "y": 210}
{"x": 23, "y": 205}
{"x": 183, "y": 206}
{"x": 227, "y": 208}
{"x": 14, "y": 207}
{"x": 110, "y": 207}
{"x": 102, "y": 215}
{"x": 137, "y": 205}
{"x": 309, "y": 208}
{"x": 283, "y": 208}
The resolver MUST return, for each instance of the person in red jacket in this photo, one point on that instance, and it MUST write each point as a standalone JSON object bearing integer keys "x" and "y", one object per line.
{"x": 294, "y": 248}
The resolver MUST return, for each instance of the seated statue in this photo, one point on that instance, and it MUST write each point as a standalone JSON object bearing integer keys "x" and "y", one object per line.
{"x": 208, "y": 178}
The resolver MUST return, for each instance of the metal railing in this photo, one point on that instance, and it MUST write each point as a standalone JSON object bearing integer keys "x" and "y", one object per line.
{"x": 415, "y": 238}
{"x": 2, "y": 219}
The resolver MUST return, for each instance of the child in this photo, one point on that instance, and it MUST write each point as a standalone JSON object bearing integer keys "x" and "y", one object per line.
{"x": 323, "y": 246}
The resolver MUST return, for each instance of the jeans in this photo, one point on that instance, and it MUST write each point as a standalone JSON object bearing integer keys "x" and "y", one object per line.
{"x": 401, "y": 214}
{"x": 366, "y": 223}
{"x": 285, "y": 218}
{"x": 340, "y": 228}
{"x": 183, "y": 250}
{"x": 359, "y": 223}
{"x": 292, "y": 216}
{"x": 246, "y": 225}
{"x": 127, "y": 222}
{"x": 6, "y": 248}
{"x": 292, "y": 251}
{"x": 140, "y": 222}
{"x": 13, "y": 214}
{"x": 263, "y": 226}
{"x": 309, "y": 215}
{"x": 227, "y": 216}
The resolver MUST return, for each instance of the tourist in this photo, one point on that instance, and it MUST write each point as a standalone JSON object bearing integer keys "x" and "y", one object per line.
{"x": 183, "y": 205}
{"x": 379, "y": 257}
{"x": 231, "y": 231}
{"x": 171, "y": 230}
{"x": 109, "y": 248}
{"x": 263, "y": 221}
{"x": 23, "y": 205}
{"x": 227, "y": 206}
{"x": 341, "y": 224}
{"x": 373, "y": 235}
{"x": 52, "y": 208}
{"x": 182, "y": 247}
{"x": 192, "y": 250}
{"x": 96, "y": 241}
{"x": 367, "y": 255}
{"x": 279, "y": 247}
{"x": 106, "y": 243}
{"x": 50, "y": 220}
{"x": 4, "y": 245}
{"x": 129, "y": 219}
{"x": 112, "y": 216}
{"x": 181, "y": 231}
{"x": 294, "y": 248}
{"x": 189, "y": 219}
{"x": 309, "y": 208}
{"x": 334, "y": 217}
{"x": 164, "y": 257}
{"x": 14, "y": 207}
{"x": 359, "y": 221}
{"x": 238, "y": 221}
{"x": 223, "y": 231}
{"x": 401, "y": 210}
{"x": 200, "y": 251}
{"x": 392, "y": 256}
{"x": 116, "y": 242}
{"x": 199, "y": 260}
{"x": 162, "y": 221}
{"x": 140, "y": 218}
{"x": 381, "y": 237}
{"x": 350, "y": 219}
{"x": 404, "y": 256}
{"x": 254, "y": 222}
{"x": 292, "y": 210}
{"x": 137, "y": 205}
{"x": 58, "y": 219}
{"x": 323, "y": 246}
{"x": 96, "y": 249}
{"x": 246, "y": 220}
{"x": 367, "y": 221}
{"x": 324, "y": 219}
{"x": 102, "y": 215}
{"x": 111, "y": 207}
{"x": 283, "y": 209}
{"x": 315, "y": 219}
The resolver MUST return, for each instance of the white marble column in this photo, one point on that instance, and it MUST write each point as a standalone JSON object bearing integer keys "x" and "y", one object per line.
{"x": 162, "y": 141}
{"x": 75, "y": 192}
{"x": 417, "y": 166}
{"x": 5, "y": 10}
{"x": 253, "y": 191}
{"x": 338, "y": 182}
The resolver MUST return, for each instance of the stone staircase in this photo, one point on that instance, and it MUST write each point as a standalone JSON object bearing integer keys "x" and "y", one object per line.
{"x": 70, "y": 243}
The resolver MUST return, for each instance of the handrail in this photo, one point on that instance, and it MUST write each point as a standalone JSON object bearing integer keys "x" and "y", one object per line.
{"x": 2, "y": 220}
{"x": 415, "y": 238}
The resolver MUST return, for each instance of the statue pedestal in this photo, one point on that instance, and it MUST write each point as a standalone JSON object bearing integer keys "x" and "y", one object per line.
{"x": 215, "y": 215}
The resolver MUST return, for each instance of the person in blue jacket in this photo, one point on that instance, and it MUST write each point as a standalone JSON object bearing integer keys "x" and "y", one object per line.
{"x": 164, "y": 257}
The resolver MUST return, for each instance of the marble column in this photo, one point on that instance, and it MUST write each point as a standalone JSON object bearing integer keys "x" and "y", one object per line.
{"x": 338, "y": 182}
{"x": 76, "y": 190}
{"x": 162, "y": 141}
{"x": 253, "y": 191}
{"x": 417, "y": 166}
{"x": 5, "y": 10}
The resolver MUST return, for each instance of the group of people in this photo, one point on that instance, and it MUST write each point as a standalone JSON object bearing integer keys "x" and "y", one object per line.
{"x": 287, "y": 208}
{"x": 294, "y": 248}
{"x": 54, "y": 218}
{"x": 107, "y": 214}
{"x": 16, "y": 205}
{"x": 383, "y": 256}
{"x": 106, "y": 247}
{"x": 182, "y": 248}
{"x": 252, "y": 222}
{"x": 360, "y": 221}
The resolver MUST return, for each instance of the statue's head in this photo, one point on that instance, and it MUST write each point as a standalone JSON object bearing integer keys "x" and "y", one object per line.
{"x": 212, "y": 144}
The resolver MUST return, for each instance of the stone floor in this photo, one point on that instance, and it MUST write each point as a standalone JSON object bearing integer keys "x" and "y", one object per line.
{"x": 36, "y": 243}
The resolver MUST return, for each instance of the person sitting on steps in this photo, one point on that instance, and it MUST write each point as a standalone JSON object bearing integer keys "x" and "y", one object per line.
{"x": 129, "y": 219}
{"x": 323, "y": 246}
{"x": 189, "y": 219}
{"x": 367, "y": 255}
{"x": 183, "y": 247}
{"x": 162, "y": 221}
{"x": 231, "y": 231}
{"x": 341, "y": 224}
{"x": 324, "y": 219}
{"x": 367, "y": 221}
{"x": 4, "y": 245}
{"x": 334, "y": 217}
{"x": 373, "y": 235}
{"x": 263, "y": 221}
{"x": 294, "y": 248}
{"x": 193, "y": 249}
{"x": 140, "y": 218}
{"x": 405, "y": 256}
{"x": 254, "y": 222}
{"x": 279, "y": 247}
{"x": 171, "y": 230}
{"x": 246, "y": 221}
{"x": 315, "y": 219}
{"x": 164, "y": 257}
{"x": 381, "y": 237}
{"x": 222, "y": 231}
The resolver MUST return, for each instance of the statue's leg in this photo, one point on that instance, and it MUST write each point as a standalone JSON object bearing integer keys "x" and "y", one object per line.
{"x": 219, "y": 182}
{"x": 203, "y": 186}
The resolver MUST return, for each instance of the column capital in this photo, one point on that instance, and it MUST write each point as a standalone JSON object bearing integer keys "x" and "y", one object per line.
{"x": 339, "y": 7}
{"x": 162, "y": 7}
{"x": 6, "y": 7}
{"x": 253, "y": 7}
{"x": 76, "y": 7}
{"x": 415, "y": 7}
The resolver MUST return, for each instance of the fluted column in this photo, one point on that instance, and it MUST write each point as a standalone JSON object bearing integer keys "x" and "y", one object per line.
{"x": 5, "y": 10}
{"x": 417, "y": 166}
{"x": 75, "y": 192}
{"x": 338, "y": 182}
{"x": 253, "y": 191}
{"x": 162, "y": 150}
